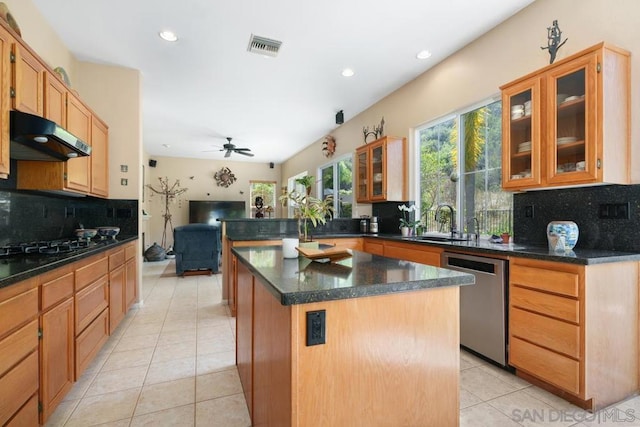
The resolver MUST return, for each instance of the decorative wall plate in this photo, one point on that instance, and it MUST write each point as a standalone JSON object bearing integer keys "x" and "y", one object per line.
{"x": 224, "y": 177}
{"x": 328, "y": 146}
{"x": 62, "y": 73}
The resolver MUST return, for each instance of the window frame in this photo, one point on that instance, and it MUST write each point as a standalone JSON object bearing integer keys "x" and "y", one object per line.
{"x": 251, "y": 204}
{"x": 334, "y": 162}
{"x": 457, "y": 115}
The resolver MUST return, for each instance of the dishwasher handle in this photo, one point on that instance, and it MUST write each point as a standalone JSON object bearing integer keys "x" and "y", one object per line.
{"x": 472, "y": 263}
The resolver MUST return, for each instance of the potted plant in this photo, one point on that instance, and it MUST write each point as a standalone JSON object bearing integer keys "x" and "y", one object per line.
{"x": 406, "y": 221}
{"x": 309, "y": 209}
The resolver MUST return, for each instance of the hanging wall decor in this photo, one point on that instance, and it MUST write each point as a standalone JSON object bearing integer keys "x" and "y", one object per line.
{"x": 377, "y": 131}
{"x": 224, "y": 177}
{"x": 554, "y": 35}
{"x": 328, "y": 146}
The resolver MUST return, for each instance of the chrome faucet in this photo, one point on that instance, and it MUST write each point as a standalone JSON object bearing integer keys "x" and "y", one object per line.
{"x": 452, "y": 221}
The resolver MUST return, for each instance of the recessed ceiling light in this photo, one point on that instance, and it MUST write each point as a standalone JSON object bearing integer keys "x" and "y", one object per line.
{"x": 167, "y": 35}
{"x": 347, "y": 72}
{"x": 423, "y": 54}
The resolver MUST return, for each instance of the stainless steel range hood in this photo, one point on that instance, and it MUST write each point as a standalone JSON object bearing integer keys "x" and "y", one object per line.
{"x": 36, "y": 138}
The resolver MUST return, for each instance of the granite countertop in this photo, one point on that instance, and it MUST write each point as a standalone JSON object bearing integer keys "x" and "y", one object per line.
{"x": 301, "y": 281}
{"x": 14, "y": 269}
{"x": 577, "y": 256}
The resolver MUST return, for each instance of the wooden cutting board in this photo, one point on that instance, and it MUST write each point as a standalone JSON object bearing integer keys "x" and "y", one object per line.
{"x": 325, "y": 255}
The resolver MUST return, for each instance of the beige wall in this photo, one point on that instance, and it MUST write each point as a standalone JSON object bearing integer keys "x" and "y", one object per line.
{"x": 114, "y": 94}
{"x": 197, "y": 176}
{"x": 477, "y": 71}
{"x": 40, "y": 36}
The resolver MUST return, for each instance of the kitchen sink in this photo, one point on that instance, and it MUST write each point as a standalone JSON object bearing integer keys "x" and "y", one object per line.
{"x": 440, "y": 239}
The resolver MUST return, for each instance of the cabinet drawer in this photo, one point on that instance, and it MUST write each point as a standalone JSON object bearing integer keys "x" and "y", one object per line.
{"x": 559, "y": 282}
{"x": 427, "y": 256}
{"x": 116, "y": 259}
{"x": 552, "y": 305}
{"x": 374, "y": 248}
{"x": 130, "y": 251}
{"x": 18, "y": 310}
{"x": 17, "y": 345}
{"x": 57, "y": 290}
{"x": 17, "y": 386}
{"x": 90, "y": 272}
{"x": 551, "y": 367}
{"x": 27, "y": 415}
{"x": 89, "y": 342}
{"x": 90, "y": 302}
{"x": 554, "y": 334}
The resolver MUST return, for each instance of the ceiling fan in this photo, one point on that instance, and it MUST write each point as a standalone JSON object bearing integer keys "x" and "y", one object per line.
{"x": 232, "y": 148}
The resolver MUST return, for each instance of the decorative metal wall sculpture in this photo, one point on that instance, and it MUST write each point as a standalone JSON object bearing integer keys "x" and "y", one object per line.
{"x": 377, "y": 131}
{"x": 224, "y": 177}
{"x": 328, "y": 146}
{"x": 553, "y": 44}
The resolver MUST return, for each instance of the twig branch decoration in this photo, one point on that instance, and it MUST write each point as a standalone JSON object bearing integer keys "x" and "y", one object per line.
{"x": 169, "y": 193}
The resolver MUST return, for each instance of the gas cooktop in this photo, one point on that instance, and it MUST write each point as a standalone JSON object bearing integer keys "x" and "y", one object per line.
{"x": 47, "y": 247}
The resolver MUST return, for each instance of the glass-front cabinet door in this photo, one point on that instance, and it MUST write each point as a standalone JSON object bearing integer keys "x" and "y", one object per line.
{"x": 362, "y": 179}
{"x": 378, "y": 171}
{"x": 521, "y": 135}
{"x": 571, "y": 109}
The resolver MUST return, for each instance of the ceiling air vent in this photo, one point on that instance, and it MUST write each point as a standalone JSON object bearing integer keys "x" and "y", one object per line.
{"x": 263, "y": 45}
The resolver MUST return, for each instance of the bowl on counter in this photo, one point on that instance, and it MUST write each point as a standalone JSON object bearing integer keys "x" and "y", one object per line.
{"x": 85, "y": 233}
{"x": 108, "y": 231}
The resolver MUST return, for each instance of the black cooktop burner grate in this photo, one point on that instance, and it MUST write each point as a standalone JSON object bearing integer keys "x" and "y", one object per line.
{"x": 49, "y": 247}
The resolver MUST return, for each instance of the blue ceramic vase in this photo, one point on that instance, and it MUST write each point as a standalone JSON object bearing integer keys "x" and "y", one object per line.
{"x": 562, "y": 230}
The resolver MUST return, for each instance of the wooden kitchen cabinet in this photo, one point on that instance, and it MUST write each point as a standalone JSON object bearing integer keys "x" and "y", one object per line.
{"x": 574, "y": 332}
{"x": 28, "y": 81}
{"x": 131, "y": 274}
{"x": 78, "y": 170}
{"x": 117, "y": 288}
{"x": 19, "y": 351}
{"x": 424, "y": 254}
{"x": 244, "y": 332}
{"x": 99, "y": 160}
{"x": 55, "y": 99}
{"x": 6, "y": 41}
{"x": 575, "y": 125}
{"x": 57, "y": 343}
{"x": 374, "y": 181}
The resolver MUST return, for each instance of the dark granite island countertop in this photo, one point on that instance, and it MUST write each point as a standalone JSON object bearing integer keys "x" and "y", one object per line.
{"x": 351, "y": 343}
{"x": 301, "y": 281}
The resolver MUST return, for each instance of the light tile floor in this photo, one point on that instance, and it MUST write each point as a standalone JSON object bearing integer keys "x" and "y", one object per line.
{"x": 172, "y": 363}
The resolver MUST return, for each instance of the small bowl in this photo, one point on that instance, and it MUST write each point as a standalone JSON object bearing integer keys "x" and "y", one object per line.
{"x": 85, "y": 233}
{"x": 108, "y": 231}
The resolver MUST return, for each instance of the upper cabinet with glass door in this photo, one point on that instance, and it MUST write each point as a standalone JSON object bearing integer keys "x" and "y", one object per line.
{"x": 579, "y": 128}
{"x": 381, "y": 170}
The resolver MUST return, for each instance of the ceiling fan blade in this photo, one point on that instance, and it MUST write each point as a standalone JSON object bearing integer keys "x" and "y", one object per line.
{"x": 244, "y": 153}
{"x": 228, "y": 153}
{"x": 242, "y": 149}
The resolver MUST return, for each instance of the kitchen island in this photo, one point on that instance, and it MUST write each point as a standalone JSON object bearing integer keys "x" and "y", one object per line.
{"x": 368, "y": 341}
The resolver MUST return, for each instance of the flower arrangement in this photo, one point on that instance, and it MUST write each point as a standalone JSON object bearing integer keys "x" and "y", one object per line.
{"x": 406, "y": 219}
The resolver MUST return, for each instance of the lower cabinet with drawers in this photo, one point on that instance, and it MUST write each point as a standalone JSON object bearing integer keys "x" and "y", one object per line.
{"x": 51, "y": 328}
{"x": 573, "y": 329}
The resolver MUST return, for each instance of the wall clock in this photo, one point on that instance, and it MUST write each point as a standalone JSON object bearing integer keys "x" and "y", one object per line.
{"x": 224, "y": 177}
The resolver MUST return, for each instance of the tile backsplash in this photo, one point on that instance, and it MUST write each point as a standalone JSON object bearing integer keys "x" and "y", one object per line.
{"x": 29, "y": 216}
{"x": 582, "y": 206}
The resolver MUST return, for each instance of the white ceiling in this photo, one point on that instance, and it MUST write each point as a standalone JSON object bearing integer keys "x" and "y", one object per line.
{"x": 207, "y": 86}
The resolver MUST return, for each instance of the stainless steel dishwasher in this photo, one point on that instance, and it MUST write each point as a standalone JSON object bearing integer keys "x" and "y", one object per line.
{"x": 483, "y": 305}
